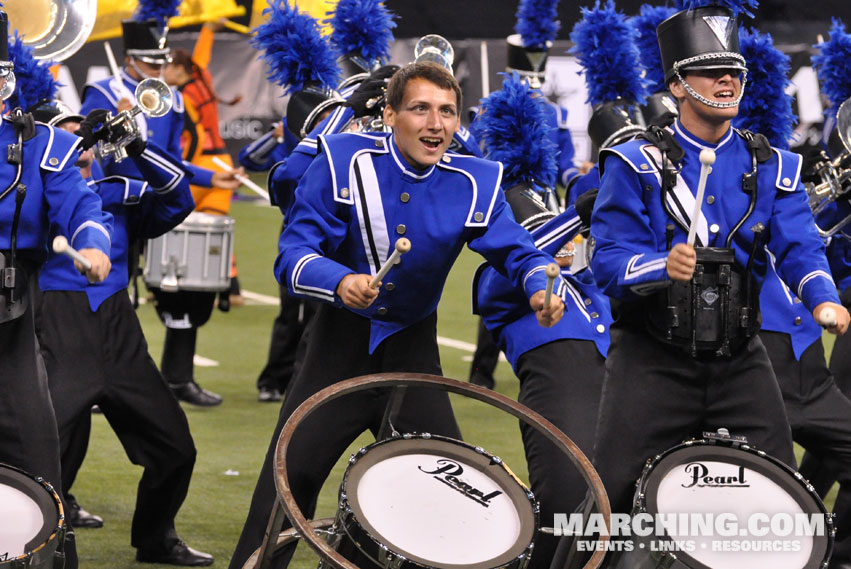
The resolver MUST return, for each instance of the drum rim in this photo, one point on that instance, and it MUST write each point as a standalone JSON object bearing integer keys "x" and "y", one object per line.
{"x": 760, "y": 462}
{"x": 505, "y": 479}
{"x": 28, "y": 484}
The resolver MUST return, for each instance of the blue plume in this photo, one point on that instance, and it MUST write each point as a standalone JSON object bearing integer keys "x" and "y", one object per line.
{"x": 737, "y": 6}
{"x": 294, "y": 48}
{"x": 35, "y": 82}
{"x": 833, "y": 65}
{"x": 765, "y": 106}
{"x": 537, "y": 22}
{"x": 363, "y": 27}
{"x": 513, "y": 125}
{"x": 644, "y": 24}
{"x": 159, "y": 10}
{"x": 605, "y": 46}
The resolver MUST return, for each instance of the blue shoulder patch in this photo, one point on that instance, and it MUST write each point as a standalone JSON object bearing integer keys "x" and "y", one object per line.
{"x": 485, "y": 177}
{"x": 642, "y": 156}
{"x": 788, "y": 170}
{"x": 342, "y": 150}
{"x": 60, "y": 147}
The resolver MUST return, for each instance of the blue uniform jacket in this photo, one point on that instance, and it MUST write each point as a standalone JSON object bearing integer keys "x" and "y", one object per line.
{"x": 629, "y": 219}
{"x": 582, "y": 184}
{"x": 140, "y": 209}
{"x": 560, "y": 135}
{"x": 506, "y": 312}
{"x": 164, "y": 131}
{"x": 56, "y": 195}
{"x": 359, "y": 196}
{"x": 266, "y": 151}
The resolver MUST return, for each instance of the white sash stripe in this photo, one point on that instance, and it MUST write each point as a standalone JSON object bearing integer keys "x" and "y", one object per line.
{"x": 371, "y": 193}
{"x": 577, "y": 299}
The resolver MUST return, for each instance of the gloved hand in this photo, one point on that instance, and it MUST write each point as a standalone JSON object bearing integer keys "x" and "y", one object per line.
{"x": 585, "y": 205}
{"x": 88, "y": 127}
{"x": 372, "y": 88}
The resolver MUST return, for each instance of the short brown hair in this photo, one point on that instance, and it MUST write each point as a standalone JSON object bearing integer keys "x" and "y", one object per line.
{"x": 427, "y": 70}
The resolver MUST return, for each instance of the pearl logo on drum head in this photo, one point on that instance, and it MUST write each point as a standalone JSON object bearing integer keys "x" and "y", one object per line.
{"x": 699, "y": 476}
{"x": 449, "y": 471}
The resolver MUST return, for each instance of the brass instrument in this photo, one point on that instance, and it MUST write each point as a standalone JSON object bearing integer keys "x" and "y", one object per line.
{"x": 55, "y": 29}
{"x": 154, "y": 99}
{"x": 834, "y": 175}
{"x": 436, "y": 49}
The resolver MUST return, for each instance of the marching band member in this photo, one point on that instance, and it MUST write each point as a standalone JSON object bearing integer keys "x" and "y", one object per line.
{"x": 96, "y": 326}
{"x": 41, "y": 189}
{"x": 409, "y": 187}
{"x": 713, "y": 370}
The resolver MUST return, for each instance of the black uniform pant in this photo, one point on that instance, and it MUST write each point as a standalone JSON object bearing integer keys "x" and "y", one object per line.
{"x": 338, "y": 350}
{"x": 562, "y": 381}
{"x": 287, "y": 331}
{"x": 102, "y": 358}
{"x": 182, "y": 312}
{"x": 485, "y": 357}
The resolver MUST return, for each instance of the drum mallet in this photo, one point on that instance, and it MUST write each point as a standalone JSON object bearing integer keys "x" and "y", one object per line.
{"x": 403, "y": 245}
{"x": 827, "y": 317}
{"x": 60, "y": 245}
{"x": 552, "y": 272}
{"x": 707, "y": 159}
{"x": 245, "y": 180}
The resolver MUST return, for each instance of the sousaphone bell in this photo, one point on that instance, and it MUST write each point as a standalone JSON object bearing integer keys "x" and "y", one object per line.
{"x": 54, "y": 29}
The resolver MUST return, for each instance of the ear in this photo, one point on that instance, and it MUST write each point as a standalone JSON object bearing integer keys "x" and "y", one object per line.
{"x": 677, "y": 90}
{"x": 389, "y": 116}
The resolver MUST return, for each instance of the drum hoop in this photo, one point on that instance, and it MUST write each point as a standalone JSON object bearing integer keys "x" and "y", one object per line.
{"x": 447, "y": 447}
{"x": 48, "y": 503}
{"x": 793, "y": 483}
{"x": 494, "y": 399}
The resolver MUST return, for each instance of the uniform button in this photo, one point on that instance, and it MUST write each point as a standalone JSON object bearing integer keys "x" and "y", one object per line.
{"x": 478, "y": 216}
{"x": 600, "y": 328}
{"x": 401, "y": 229}
{"x": 714, "y": 228}
{"x": 644, "y": 167}
{"x": 446, "y": 159}
{"x": 710, "y": 200}
{"x": 797, "y": 300}
{"x": 797, "y": 321}
{"x": 150, "y": 134}
{"x": 379, "y": 143}
{"x": 587, "y": 302}
{"x": 787, "y": 182}
{"x": 53, "y": 161}
{"x": 382, "y": 311}
{"x": 594, "y": 315}
{"x": 405, "y": 197}
{"x": 389, "y": 286}
{"x": 648, "y": 187}
{"x": 344, "y": 193}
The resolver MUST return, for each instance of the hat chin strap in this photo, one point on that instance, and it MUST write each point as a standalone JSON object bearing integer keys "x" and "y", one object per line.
{"x": 142, "y": 73}
{"x": 709, "y": 103}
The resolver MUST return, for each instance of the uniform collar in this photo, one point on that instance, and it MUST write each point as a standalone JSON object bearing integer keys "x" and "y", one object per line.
{"x": 403, "y": 165}
{"x": 126, "y": 76}
{"x": 699, "y": 144}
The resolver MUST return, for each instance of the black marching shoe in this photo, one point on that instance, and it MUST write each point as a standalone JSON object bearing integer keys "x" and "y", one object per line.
{"x": 180, "y": 554}
{"x": 80, "y": 518}
{"x": 195, "y": 394}
{"x": 269, "y": 395}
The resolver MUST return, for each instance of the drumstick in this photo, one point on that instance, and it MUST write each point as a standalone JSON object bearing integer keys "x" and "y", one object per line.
{"x": 403, "y": 245}
{"x": 707, "y": 159}
{"x": 552, "y": 272}
{"x": 244, "y": 179}
{"x": 827, "y": 317}
{"x": 60, "y": 245}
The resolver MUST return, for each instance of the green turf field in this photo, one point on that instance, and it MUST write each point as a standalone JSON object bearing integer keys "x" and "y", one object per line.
{"x": 232, "y": 438}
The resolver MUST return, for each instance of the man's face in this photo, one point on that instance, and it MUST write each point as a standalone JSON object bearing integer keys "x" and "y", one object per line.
{"x": 135, "y": 67}
{"x": 87, "y": 157}
{"x": 717, "y": 85}
{"x": 425, "y": 122}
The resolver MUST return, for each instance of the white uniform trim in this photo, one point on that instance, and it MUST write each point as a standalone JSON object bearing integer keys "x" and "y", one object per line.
{"x": 93, "y": 225}
{"x": 370, "y": 212}
{"x": 315, "y": 292}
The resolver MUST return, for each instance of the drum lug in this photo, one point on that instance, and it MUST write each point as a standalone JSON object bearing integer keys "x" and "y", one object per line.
{"x": 169, "y": 280}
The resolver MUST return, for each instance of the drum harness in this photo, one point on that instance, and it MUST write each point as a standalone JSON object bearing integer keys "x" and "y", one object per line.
{"x": 13, "y": 277}
{"x": 748, "y": 316}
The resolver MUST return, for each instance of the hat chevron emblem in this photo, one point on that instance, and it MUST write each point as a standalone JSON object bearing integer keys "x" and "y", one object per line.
{"x": 722, "y": 27}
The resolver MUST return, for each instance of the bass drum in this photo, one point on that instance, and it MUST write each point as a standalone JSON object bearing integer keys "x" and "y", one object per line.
{"x": 727, "y": 507}
{"x": 433, "y": 502}
{"x": 32, "y": 521}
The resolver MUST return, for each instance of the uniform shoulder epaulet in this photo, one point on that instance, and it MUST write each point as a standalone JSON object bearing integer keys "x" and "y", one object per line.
{"x": 341, "y": 151}
{"x": 788, "y": 169}
{"x": 104, "y": 87}
{"x": 60, "y": 148}
{"x": 642, "y": 156}
{"x": 485, "y": 178}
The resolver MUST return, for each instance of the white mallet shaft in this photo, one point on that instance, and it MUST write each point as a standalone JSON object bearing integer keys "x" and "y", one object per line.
{"x": 552, "y": 272}
{"x": 244, "y": 179}
{"x": 827, "y": 317}
{"x": 116, "y": 74}
{"x": 60, "y": 245}
{"x": 707, "y": 159}
{"x": 403, "y": 245}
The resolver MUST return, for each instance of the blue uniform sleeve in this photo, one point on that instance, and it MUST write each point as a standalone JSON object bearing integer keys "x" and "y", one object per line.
{"x": 284, "y": 178}
{"x": 200, "y": 176}
{"x": 171, "y": 199}
{"x": 555, "y": 233}
{"x": 627, "y": 262}
{"x": 567, "y": 170}
{"x": 95, "y": 98}
{"x": 313, "y": 228}
{"x": 263, "y": 153}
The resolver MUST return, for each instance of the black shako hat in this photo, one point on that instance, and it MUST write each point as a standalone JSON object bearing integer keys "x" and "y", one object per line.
{"x": 700, "y": 38}
{"x": 145, "y": 41}
{"x": 527, "y": 62}
{"x": 611, "y": 124}
{"x": 306, "y": 106}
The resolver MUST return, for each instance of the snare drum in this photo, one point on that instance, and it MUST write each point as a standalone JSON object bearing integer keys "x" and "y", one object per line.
{"x": 195, "y": 255}
{"x": 429, "y": 501}
{"x": 32, "y": 524}
{"x": 700, "y": 491}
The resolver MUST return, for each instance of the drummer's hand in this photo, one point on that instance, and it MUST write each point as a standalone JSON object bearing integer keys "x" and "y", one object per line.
{"x": 100, "y": 264}
{"x": 124, "y": 104}
{"x": 547, "y": 316}
{"x": 355, "y": 292}
{"x": 681, "y": 262}
{"x": 841, "y": 321}
{"x": 278, "y": 130}
{"x": 228, "y": 180}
